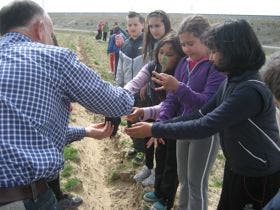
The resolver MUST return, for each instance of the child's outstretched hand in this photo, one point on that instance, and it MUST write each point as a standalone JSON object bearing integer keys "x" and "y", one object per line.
{"x": 155, "y": 142}
{"x": 143, "y": 91}
{"x": 135, "y": 114}
{"x": 166, "y": 81}
{"x": 139, "y": 130}
{"x": 99, "y": 131}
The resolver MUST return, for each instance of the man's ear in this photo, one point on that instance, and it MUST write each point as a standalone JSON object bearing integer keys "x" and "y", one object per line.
{"x": 39, "y": 31}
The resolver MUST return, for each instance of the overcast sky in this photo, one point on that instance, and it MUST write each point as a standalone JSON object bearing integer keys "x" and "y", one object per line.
{"x": 244, "y": 7}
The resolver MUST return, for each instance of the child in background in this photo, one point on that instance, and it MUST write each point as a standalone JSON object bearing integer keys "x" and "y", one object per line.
{"x": 196, "y": 80}
{"x": 130, "y": 55}
{"x": 99, "y": 30}
{"x": 272, "y": 79}
{"x": 105, "y": 31}
{"x": 130, "y": 62}
{"x": 242, "y": 111}
{"x": 167, "y": 54}
{"x": 115, "y": 42}
{"x": 157, "y": 25}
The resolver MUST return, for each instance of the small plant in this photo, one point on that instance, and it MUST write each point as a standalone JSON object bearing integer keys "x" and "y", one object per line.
{"x": 220, "y": 156}
{"x": 125, "y": 143}
{"x": 123, "y": 123}
{"x": 113, "y": 176}
{"x": 71, "y": 153}
{"x": 67, "y": 171}
{"x": 72, "y": 184}
{"x": 217, "y": 183}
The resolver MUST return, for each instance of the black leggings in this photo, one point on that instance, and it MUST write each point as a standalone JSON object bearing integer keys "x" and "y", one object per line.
{"x": 244, "y": 193}
{"x": 166, "y": 181}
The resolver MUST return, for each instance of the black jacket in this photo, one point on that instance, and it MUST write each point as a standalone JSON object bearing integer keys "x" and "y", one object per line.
{"x": 130, "y": 60}
{"x": 244, "y": 115}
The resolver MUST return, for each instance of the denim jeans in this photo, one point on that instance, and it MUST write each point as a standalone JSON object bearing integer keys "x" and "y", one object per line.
{"x": 45, "y": 201}
{"x": 274, "y": 203}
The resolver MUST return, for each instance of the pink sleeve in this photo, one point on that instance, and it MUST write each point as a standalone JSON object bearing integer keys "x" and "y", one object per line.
{"x": 151, "y": 112}
{"x": 139, "y": 81}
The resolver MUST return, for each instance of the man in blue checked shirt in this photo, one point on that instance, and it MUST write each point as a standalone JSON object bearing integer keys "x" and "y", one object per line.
{"x": 37, "y": 83}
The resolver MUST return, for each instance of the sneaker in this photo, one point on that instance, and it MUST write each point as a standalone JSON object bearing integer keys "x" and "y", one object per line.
{"x": 142, "y": 174}
{"x": 158, "y": 206}
{"x": 131, "y": 153}
{"x": 150, "y": 197}
{"x": 69, "y": 201}
{"x": 139, "y": 159}
{"x": 149, "y": 180}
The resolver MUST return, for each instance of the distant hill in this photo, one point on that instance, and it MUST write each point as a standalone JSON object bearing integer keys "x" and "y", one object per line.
{"x": 266, "y": 27}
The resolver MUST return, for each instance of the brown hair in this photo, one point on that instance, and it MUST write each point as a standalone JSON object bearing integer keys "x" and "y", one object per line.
{"x": 272, "y": 74}
{"x": 149, "y": 41}
{"x": 195, "y": 24}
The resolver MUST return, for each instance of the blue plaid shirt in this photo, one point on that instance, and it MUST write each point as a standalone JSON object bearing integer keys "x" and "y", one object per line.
{"x": 37, "y": 84}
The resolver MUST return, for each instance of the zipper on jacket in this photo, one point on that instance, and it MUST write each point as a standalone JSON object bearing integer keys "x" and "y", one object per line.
{"x": 132, "y": 73}
{"x": 251, "y": 154}
{"x": 194, "y": 68}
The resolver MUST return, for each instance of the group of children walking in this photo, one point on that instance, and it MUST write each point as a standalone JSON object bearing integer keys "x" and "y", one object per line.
{"x": 203, "y": 75}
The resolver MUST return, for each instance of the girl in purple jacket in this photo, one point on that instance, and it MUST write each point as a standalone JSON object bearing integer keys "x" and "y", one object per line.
{"x": 195, "y": 81}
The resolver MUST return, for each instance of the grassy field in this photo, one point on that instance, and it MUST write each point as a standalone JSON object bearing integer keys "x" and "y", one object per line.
{"x": 266, "y": 27}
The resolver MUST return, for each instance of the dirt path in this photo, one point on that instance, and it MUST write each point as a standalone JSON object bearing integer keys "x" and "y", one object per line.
{"x": 97, "y": 158}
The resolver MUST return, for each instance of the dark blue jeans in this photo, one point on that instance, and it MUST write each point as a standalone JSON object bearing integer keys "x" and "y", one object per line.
{"x": 45, "y": 201}
{"x": 274, "y": 203}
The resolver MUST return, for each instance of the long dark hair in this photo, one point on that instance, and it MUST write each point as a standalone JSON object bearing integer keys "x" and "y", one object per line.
{"x": 238, "y": 45}
{"x": 148, "y": 43}
{"x": 173, "y": 39}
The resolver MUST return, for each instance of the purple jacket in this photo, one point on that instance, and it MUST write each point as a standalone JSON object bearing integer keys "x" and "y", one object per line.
{"x": 195, "y": 89}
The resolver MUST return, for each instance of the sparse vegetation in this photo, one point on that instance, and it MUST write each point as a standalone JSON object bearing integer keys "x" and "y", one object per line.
{"x": 71, "y": 154}
{"x": 72, "y": 184}
{"x": 67, "y": 170}
{"x": 83, "y": 43}
{"x": 93, "y": 53}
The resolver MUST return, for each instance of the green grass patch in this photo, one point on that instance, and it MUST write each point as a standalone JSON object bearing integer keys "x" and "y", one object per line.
{"x": 216, "y": 182}
{"x": 72, "y": 184}
{"x": 67, "y": 171}
{"x": 125, "y": 143}
{"x": 71, "y": 154}
{"x": 114, "y": 173}
{"x": 113, "y": 176}
{"x": 220, "y": 156}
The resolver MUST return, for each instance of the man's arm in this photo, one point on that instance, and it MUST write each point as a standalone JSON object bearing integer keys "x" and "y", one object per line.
{"x": 81, "y": 84}
{"x": 96, "y": 131}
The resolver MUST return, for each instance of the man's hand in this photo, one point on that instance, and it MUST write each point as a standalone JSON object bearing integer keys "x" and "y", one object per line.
{"x": 99, "y": 131}
{"x": 135, "y": 115}
{"x": 140, "y": 130}
{"x": 166, "y": 81}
